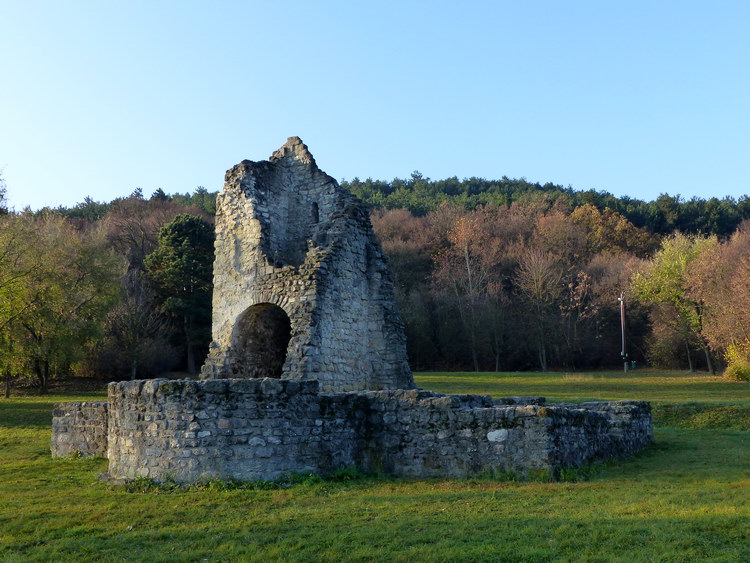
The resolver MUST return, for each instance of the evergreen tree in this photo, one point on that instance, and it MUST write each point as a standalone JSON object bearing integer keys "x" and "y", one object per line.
{"x": 160, "y": 195}
{"x": 181, "y": 270}
{"x": 3, "y": 196}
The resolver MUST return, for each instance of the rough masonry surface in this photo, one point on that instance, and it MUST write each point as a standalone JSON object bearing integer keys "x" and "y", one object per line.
{"x": 301, "y": 286}
{"x": 80, "y": 429}
{"x": 269, "y": 428}
{"x": 307, "y": 371}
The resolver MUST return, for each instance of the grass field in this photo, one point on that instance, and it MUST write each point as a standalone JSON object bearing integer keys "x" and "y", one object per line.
{"x": 685, "y": 499}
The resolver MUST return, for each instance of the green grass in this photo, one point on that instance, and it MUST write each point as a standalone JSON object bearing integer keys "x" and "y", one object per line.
{"x": 679, "y": 399}
{"x": 642, "y": 385}
{"x": 685, "y": 499}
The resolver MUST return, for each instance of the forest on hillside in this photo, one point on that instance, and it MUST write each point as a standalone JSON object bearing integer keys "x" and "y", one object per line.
{"x": 489, "y": 275}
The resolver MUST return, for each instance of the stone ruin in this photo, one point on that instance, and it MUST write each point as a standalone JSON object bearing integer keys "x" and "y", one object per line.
{"x": 301, "y": 286}
{"x": 307, "y": 370}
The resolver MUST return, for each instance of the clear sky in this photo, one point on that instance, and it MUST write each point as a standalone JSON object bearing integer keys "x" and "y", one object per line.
{"x": 636, "y": 98}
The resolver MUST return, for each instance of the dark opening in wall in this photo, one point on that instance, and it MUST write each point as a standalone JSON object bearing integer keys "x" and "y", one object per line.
{"x": 314, "y": 214}
{"x": 261, "y": 337}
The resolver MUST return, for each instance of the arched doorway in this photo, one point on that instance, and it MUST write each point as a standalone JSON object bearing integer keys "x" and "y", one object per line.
{"x": 261, "y": 337}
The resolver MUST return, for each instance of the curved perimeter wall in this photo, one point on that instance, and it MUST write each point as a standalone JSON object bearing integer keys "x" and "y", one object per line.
{"x": 268, "y": 428}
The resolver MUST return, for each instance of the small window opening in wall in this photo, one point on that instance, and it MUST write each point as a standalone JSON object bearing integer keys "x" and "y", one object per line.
{"x": 315, "y": 215}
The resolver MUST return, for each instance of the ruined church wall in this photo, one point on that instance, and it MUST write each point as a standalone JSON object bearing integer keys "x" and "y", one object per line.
{"x": 362, "y": 344}
{"x": 287, "y": 234}
{"x": 629, "y": 426}
{"x": 421, "y": 434}
{"x": 269, "y": 428}
{"x": 244, "y": 276}
{"x": 294, "y": 201}
{"x": 80, "y": 428}
{"x": 240, "y": 429}
{"x": 291, "y": 289}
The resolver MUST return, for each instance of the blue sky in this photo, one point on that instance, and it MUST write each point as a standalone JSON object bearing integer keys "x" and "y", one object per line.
{"x": 636, "y": 98}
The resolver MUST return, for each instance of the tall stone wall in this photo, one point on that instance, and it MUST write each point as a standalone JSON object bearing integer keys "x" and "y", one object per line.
{"x": 301, "y": 286}
{"x": 80, "y": 429}
{"x": 268, "y": 428}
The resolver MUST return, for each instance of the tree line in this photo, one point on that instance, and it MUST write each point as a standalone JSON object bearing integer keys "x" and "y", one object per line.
{"x": 123, "y": 295}
{"x": 663, "y": 215}
{"x": 489, "y": 275}
{"x": 514, "y": 288}
{"x": 523, "y": 287}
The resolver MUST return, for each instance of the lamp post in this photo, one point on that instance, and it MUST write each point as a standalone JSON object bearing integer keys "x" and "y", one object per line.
{"x": 623, "y": 353}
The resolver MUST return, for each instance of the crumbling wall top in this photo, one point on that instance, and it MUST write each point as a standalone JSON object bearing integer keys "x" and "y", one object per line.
{"x": 288, "y": 236}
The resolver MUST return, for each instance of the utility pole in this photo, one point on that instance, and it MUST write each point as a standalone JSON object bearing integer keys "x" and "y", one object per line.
{"x": 623, "y": 353}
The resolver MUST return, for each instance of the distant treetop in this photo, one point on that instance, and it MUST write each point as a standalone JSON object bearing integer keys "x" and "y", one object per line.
{"x": 420, "y": 195}
{"x": 664, "y": 215}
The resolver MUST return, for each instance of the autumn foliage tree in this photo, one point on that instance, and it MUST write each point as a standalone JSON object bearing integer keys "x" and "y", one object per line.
{"x": 135, "y": 326}
{"x": 610, "y": 232}
{"x": 539, "y": 279}
{"x": 501, "y": 275}
{"x": 132, "y": 226}
{"x": 663, "y": 283}
{"x": 59, "y": 284}
{"x": 467, "y": 268}
{"x": 718, "y": 280}
{"x": 508, "y": 287}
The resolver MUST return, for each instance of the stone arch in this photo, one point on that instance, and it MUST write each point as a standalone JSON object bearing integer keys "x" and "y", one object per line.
{"x": 260, "y": 339}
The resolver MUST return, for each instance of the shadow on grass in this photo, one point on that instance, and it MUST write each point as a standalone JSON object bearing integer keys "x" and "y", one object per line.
{"x": 35, "y": 413}
{"x": 26, "y": 414}
{"x": 700, "y": 416}
{"x": 408, "y": 530}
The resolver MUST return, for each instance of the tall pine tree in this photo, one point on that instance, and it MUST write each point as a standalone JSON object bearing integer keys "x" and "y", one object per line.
{"x": 181, "y": 270}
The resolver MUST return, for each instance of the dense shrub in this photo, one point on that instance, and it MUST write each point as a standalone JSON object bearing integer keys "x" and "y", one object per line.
{"x": 738, "y": 368}
{"x": 738, "y": 372}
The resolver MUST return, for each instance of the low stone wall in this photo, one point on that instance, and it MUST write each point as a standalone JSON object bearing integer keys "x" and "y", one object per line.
{"x": 268, "y": 428}
{"x": 421, "y": 433}
{"x": 79, "y": 429}
{"x": 242, "y": 429}
{"x": 629, "y": 430}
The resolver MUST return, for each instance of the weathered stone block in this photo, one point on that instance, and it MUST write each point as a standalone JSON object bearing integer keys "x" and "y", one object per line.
{"x": 79, "y": 429}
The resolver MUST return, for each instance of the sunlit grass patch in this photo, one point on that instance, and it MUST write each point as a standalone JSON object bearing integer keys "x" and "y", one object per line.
{"x": 646, "y": 385}
{"x": 578, "y": 377}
